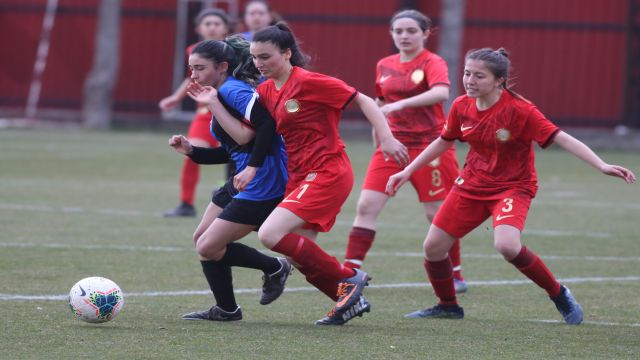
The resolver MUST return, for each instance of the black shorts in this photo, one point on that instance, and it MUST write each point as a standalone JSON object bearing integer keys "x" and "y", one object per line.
{"x": 241, "y": 211}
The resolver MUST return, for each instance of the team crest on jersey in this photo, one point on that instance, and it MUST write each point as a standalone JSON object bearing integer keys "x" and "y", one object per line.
{"x": 310, "y": 176}
{"x": 292, "y": 106}
{"x": 435, "y": 162}
{"x": 503, "y": 135}
{"x": 417, "y": 76}
{"x": 459, "y": 180}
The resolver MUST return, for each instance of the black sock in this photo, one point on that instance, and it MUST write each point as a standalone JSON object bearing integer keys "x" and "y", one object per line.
{"x": 241, "y": 255}
{"x": 221, "y": 284}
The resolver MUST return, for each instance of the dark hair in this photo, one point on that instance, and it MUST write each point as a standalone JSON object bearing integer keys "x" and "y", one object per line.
{"x": 281, "y": 36}
{"x": 211, "y": 12}
{"x": 423, "y": 20}
{"x": 234, "y": 50}
{"x": 498, "y": 63}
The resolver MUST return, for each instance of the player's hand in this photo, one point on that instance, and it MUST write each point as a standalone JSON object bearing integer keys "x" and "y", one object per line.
{"x": 392, "y": 148}
{"x": 388, "y": 108}
{"x": 619, "y": 171}
{"x": 244, "y": 177}
{"x": 396, "y": 181}
{"x": 202, "y": 94}
{"x": 169, "y": 103}
{"x": 180, "y": 144}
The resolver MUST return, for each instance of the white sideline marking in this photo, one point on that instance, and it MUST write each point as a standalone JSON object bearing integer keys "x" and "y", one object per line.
{"x": 335, "y": 253}
{"x": 309, "y": 289}
{"x": 603, "y": 323}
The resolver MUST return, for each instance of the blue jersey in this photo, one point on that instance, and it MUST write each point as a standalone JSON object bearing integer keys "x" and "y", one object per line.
{"x": 270, "y": 181}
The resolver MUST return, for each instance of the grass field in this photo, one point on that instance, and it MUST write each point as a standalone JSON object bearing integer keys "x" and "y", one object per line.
{"x": 79, "y": 204}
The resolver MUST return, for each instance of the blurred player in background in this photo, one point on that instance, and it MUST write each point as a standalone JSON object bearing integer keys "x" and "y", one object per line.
{"x": 307, "y": 107}
{"x": 410, "y": 89}
{"x": 258, "y": 15}
{"x": 223, "y": 75}
{"x": 211, "y": 24}
{"x": 498, "y": 180}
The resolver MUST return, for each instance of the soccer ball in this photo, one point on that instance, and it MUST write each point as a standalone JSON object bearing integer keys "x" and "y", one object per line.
{"x": 95, "y": 299}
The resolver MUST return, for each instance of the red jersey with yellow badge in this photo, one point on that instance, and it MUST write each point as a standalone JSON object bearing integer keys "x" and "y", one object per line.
{"x": 501, "y": 155}
{"x": 307, "y": 109}
{"x": 415, "y": 127}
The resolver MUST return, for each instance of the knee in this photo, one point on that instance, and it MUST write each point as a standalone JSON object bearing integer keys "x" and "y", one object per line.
{"x": 508, "y": 248}
{"x": 268, "y": 238}
{"x": 367, "y": 208}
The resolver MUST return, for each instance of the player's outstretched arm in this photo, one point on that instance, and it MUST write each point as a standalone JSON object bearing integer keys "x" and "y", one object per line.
{"x": 582, "y": 151}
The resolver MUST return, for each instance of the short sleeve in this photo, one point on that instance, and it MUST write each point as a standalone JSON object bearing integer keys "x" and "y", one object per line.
{"x": 240, "y": 98}
{"x": 437, "y": 72}
{"x": 542, "y": 130}
{"x": 451, "y": 129}
{"x": 328, "y": 90}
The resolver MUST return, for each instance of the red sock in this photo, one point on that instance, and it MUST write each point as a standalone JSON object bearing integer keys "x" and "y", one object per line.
{"x": 441, "y": 277}
{"x": 310, "y": 256}
{"x": 328, "y": 286}
{"x": 360, "y": 241}
{"x": 188, "y": 180}
{"x": 534, "y": 268}
{"x": 454, "y": 254}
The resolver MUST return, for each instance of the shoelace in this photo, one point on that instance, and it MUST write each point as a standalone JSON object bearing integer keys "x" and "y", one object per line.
{"x": 342, "y": 289}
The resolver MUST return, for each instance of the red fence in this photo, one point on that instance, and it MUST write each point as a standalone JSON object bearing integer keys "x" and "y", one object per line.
{"x": 571, "y": 57}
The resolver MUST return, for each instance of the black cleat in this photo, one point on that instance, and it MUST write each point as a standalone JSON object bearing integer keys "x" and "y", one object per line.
{"x": 568, "y": 307}
{"x": 350, "y": 290}
{"x": 438, "y": 312}
{"x": 182, "y": 210}
{"x": 273, "y": 285}
{"x": 334, "y": 318}
{"x": 214, "y": 314}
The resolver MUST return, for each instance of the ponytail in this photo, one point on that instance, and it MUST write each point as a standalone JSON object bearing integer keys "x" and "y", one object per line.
{"x": 234, "y": 50}
{"x": 281, "y": 36}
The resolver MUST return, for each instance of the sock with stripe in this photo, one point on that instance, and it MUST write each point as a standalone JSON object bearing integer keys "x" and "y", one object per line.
{"x": 534, "y": 268}
{"x": 360, "y": 241}
{"x": 454, "y": 254}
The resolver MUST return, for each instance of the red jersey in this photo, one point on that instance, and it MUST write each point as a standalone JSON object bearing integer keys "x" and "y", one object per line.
{"x": 307, "y": 109}
{"x": 415, "y": 127}
{"x": 501, "y": 155}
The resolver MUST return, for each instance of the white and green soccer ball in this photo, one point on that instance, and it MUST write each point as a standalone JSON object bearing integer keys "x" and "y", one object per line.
{"x": 95, "y": 299}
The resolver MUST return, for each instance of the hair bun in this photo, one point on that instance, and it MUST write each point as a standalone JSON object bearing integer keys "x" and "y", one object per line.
{"x": 502, "y": 51}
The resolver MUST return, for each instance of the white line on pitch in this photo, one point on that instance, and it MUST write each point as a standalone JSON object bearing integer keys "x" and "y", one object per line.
{"x": 602, "y": 323}
{"x": 309, "y": 289}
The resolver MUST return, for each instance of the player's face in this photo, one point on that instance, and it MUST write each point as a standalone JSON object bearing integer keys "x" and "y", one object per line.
{"x": 269, "y": 59}
{"x": 478, "y": 80}
{"x": 212, "y": 28}
{"x": 257, "y": 16}
{"x": 408, "y": 36}
{"x": 205, "y": 72}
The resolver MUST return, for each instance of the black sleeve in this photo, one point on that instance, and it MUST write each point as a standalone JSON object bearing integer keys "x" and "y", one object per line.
{"x": 265, "y": 127}
{"x": 208, "y": 156}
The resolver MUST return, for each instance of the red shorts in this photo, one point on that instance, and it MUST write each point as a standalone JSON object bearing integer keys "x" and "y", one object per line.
{"x": 458, "y": 215}
{"x": 432, "y": 182}
{"x": 318, "y": 196}
{"x": 199, "y": 128}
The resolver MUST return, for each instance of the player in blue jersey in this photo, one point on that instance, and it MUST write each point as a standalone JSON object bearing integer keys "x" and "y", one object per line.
{"x": 223, "y": 73}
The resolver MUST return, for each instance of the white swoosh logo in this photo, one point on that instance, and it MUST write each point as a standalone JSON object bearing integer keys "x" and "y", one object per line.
{"x": 293, "y": 201}
{"x": 465, "y": 128}
{"x": 500, "y": 217}
{"x": 384, "y": 77}
{"x": 434, "y": 193}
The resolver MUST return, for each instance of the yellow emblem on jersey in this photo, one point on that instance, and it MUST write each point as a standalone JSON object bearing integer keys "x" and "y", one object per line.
{"x": 292, "y": 106}
{"x": 503, "y": 135}
{"x": 310, "y": 176}
{"x": 417, "y": 76}
{"x": 435, "y": 162}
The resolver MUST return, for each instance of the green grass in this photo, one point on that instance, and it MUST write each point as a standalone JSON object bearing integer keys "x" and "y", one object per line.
{"x": 80, "y": 204}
